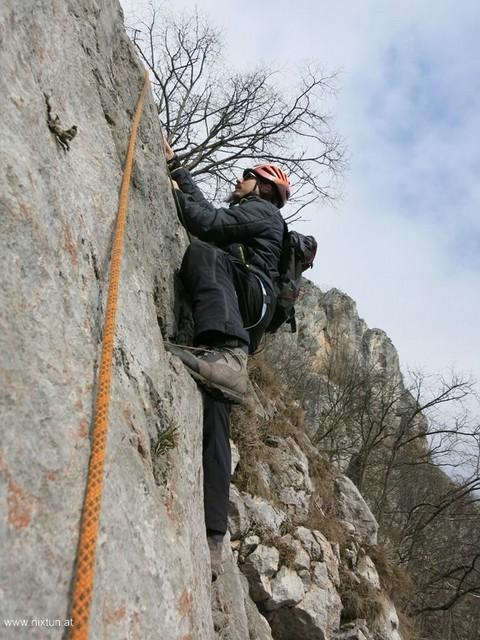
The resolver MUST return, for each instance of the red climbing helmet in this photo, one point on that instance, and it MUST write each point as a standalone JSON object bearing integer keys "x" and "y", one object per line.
{"x": 272, "y": 173}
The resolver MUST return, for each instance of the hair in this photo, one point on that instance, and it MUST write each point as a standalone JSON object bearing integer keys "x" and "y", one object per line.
{"x": 268, "y": 191}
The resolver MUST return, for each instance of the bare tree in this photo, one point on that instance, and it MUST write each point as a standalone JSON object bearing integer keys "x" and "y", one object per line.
{"x": 423, "y": 436}
{"x": 439, "y": 545}
{"x": 220, "y": 120}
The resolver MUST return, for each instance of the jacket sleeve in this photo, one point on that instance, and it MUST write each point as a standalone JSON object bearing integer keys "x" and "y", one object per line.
{"x": 219, "y": 225}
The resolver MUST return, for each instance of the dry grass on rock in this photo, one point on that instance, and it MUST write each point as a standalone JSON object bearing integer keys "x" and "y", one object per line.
{"x": 407, "y": 628}
{"x": 252, "y": 435}
{"x": 248, "y": 433}
{"x": 359, "y": 598}
{"x": 394, "y": 580}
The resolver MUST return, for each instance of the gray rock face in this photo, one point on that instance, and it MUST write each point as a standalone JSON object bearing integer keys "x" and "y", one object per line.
{"x": 259, "y": 567}
{"x": 287, "y": 589}
{"x": 263, "y": 515}
{"x": 235, "y": 616}
{"x": 288, "y": 478}
{"x": 57, "y": 211}
{"x": 365, "y": 568}
{"x": 238, "y": 521}
{"x": 314, "y": 618}
{"x": 353, "y": 508}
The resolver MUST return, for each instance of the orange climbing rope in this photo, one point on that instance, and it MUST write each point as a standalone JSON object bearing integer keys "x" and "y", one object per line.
{"x": 85, "y": 566}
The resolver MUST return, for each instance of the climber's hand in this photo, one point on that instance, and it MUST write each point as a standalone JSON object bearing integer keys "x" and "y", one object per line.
{"x": 169, "y": 152}
{"x": 174, "y": 184}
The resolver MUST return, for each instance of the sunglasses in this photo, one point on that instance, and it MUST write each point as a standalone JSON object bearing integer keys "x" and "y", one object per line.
{"x": 249, "y": 175}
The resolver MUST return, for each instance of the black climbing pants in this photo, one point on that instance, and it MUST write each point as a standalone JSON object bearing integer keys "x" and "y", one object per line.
{"x": 226, "y": 300}
{"x": 226, "y": 297}
{"x": 216, "y": 463}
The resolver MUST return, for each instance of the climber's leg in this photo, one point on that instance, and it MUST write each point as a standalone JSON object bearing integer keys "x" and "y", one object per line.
{"x": 216, "y": 463}
{"x": 225, "y": 296}
{"x": 216, "y": 476}
{"x": 207, "y": 276}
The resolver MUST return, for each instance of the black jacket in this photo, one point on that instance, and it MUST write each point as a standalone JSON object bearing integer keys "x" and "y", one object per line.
{"x": 254, "y": 224}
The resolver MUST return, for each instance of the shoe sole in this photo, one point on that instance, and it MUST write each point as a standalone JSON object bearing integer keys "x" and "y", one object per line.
{"x": 216, "y": 390}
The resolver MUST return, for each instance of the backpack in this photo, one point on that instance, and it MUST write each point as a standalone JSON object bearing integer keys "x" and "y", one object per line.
{"x": 298, "y": 254}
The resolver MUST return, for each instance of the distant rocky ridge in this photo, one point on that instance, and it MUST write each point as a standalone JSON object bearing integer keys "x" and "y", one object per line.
{"x": 328, "y": 320}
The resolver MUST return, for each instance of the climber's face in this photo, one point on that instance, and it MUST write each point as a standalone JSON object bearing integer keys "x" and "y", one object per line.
{"x": 245, "y": 186}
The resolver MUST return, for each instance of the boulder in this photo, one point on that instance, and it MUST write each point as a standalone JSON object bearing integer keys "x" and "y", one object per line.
{"x": 289, "y": 480}
{"x": 353, "y": 508}
{"x": 302, "y": 559}
{"x": 287, "y": 589}
{"x": 248, "y": 545}
{"x": 228, "y": 605}
{"x": 315, "y": 617}
{"x": 309, "y": 542}
{"x": 365, "y": 568}
{"x": 259, "y": 567}
{"x": 263, "y": 516}
{"x": 235, "y": 456}
{"x": 258, "y": 627}
{"x": 329, "y": 557}
{"x": 238, "y": 520}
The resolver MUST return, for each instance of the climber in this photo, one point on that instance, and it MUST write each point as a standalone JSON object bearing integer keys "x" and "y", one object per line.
{"x": 229, "y": 272}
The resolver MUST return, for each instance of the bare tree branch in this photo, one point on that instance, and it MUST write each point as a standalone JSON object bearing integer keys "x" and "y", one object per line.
{"x": 219, "y": 122}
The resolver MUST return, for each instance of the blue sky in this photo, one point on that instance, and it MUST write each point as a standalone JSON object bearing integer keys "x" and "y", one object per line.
{"x": 404, "y": 241}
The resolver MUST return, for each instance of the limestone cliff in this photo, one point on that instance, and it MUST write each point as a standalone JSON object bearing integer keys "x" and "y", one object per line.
{"x": 57, "y": 214}
{"x": 283, "y": 576}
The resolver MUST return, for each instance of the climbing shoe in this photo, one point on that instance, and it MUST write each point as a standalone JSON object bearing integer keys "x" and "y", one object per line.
{"x": 215, "y": 545}
{"x": 221, "y": 370}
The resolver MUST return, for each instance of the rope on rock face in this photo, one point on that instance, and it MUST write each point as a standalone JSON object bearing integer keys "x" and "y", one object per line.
{"x": 85, "y": 564}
